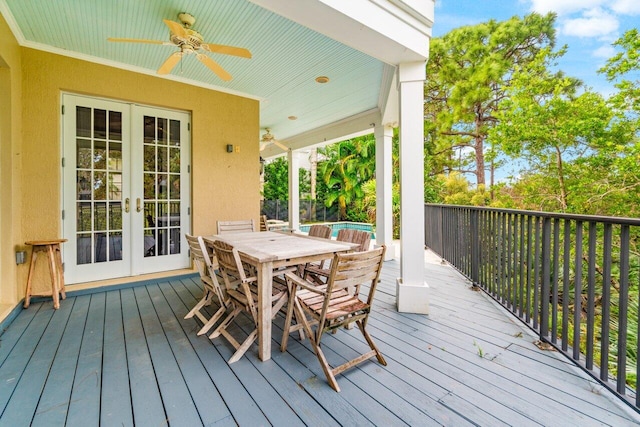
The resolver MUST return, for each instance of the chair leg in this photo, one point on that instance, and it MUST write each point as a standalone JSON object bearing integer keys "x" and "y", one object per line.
{"x": 244, "y": 347}
{"x": 328, "y": 372}
{"x": 205, "y": 300}
{"x": 287, "y": 324}
{"x": 371, "y": 343}
{"x": 209, "y": 324}
{"x": 226, "y": 322}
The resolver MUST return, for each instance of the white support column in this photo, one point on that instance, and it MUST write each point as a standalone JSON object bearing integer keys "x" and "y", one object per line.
{"x": 412, "y": 290}
{"x": 384, "y": 180}
{"x": 294, "y": 189}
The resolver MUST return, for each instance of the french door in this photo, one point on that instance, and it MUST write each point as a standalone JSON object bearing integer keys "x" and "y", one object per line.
{"x": 126, "y": 195}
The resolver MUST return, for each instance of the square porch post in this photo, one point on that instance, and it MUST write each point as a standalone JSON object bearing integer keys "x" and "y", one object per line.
{"x": 294, "y": 189}
{"x": 384, "y": 180}
{"x": 411, "y": 289}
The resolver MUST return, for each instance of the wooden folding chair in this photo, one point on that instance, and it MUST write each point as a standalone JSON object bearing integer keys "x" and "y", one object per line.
{"x": 263, "y": 223}
{"x": 243, "y": 291}
{"x": 236, "y": 226}
{"x": 332, "y": 306}
{"x": 319, "y": 272}
{"x": 320, "y": 230}
{"x": 205, "y": 264}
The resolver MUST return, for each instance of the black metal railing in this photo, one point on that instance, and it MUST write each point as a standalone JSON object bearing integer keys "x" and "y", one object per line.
{"x": 574, "y": 279}
{"x": 310, "y": 210}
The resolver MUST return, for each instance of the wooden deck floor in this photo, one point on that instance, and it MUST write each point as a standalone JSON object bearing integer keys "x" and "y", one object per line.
{"x": 127, "y": 356}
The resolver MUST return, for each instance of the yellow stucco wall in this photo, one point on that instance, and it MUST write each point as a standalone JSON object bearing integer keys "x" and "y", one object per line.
{"x": 224, "y": 186}
{"x": 10, "y": 166}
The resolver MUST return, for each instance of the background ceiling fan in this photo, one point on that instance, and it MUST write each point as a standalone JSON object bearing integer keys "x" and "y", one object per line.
{"x": 190, "y": 42}
{"x": 268, "y": 139}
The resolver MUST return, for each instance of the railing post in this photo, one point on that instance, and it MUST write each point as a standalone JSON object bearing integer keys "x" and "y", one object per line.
{"x": 474, "y": 229}
{"x": 546, "y": 271}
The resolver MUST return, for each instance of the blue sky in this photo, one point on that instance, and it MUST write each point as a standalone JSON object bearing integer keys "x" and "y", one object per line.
{"x": 587, "y": 27}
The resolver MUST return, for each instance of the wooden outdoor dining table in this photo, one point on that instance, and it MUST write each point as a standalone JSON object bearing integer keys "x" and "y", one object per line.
{"x": 267, "y": 250}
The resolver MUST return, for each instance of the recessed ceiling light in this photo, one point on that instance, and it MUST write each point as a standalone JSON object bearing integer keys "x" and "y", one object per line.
{"x": 292, "y": 118}
{"x": 322, "y": 79}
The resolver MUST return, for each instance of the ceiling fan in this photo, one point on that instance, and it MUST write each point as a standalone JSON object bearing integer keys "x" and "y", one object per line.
{"x": 268, "y": 139}
{"x": 190, "y": 42}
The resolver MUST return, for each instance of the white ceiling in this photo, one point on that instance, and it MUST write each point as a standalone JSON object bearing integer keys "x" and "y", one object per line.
{"x": 287, "y": 56}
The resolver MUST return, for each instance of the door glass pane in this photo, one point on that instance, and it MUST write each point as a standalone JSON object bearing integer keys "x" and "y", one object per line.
{"x": 149, "y": 129}
{"x": 174, "y": 186}
{"x": 162, "y": 159}
{"x": 115, "y": 126}
{"x": 115, "y": 156}
{"x": 83, "y": 153}
{"x": 115, "y": 246}
{"x": 174, "y": 160}
{"x": 100, "y": 155}
{"x": 83, "y": 122}
{"x": 83, "y": 243}
{"x": 149, "y": 158}
{"x": 99, "y": 185}
{"x": 174, "y": 136}
{"x": 99, "y": 124}
{"x": 115, "y": 186}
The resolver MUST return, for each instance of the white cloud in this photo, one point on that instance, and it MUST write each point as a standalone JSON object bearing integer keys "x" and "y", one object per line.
{"x": 626, "y": 7}
{"x": 605, "y": 52}
{"x": 593, "y": 23}
{"x": 564, "y": 7}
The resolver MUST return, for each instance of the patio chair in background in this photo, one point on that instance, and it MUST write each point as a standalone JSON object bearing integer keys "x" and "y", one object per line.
{"x": 319, "y": 273}
{"x": 205, "y": 264}
{"x": 243, "y": 291}
{"x": 263, "y": 223}
{"x": 320, "y": 230}
{"x": 236, "y": 226}
{"x": 332, "y": 306}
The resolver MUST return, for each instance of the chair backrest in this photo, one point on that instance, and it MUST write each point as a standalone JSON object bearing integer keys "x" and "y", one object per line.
{"x": 233, "y": 272}
{"x": 206, "y": 263}
{"x": 349, "y": 270}
{"x": 236, "y": 226}
{"x": 263, "y": 223}
{"x": 320, "y": 230}
{"x": 200, "y": 255}
{"x": 361, "y": 237}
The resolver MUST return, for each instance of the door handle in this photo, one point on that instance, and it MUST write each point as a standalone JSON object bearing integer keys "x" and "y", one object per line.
{"x": 138, "y": 209}
{"x": 126, "y": 205}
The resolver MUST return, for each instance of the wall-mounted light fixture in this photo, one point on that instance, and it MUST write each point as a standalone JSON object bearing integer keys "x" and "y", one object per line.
{"x": 229, "y": 148}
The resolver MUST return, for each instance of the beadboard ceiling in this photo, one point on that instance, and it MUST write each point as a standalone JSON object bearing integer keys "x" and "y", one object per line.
{"x": 287, "y": 57}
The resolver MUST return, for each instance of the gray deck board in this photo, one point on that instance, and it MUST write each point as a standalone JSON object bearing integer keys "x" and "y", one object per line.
{"x": 128, "y": 357}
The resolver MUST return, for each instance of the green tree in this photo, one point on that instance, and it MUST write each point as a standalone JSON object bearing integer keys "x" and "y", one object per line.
{"x": 276, "y": 180}
{"x": 621, "y": 69}
{"x": 545, "y": 123}
{"x": 467, "y": 72}
{"x": 347, "y": 165}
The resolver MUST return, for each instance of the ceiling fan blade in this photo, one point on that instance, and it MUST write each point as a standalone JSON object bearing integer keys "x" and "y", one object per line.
{"x": 226, "y": 50}
{"x": 281, "y": 145}
{"x": 176, "y": 28}
{"x": 214, "y": 66}
{"x": 263, "y": 145}
{"x": 115, "y": 39}
{"x": 171, "y": 62}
